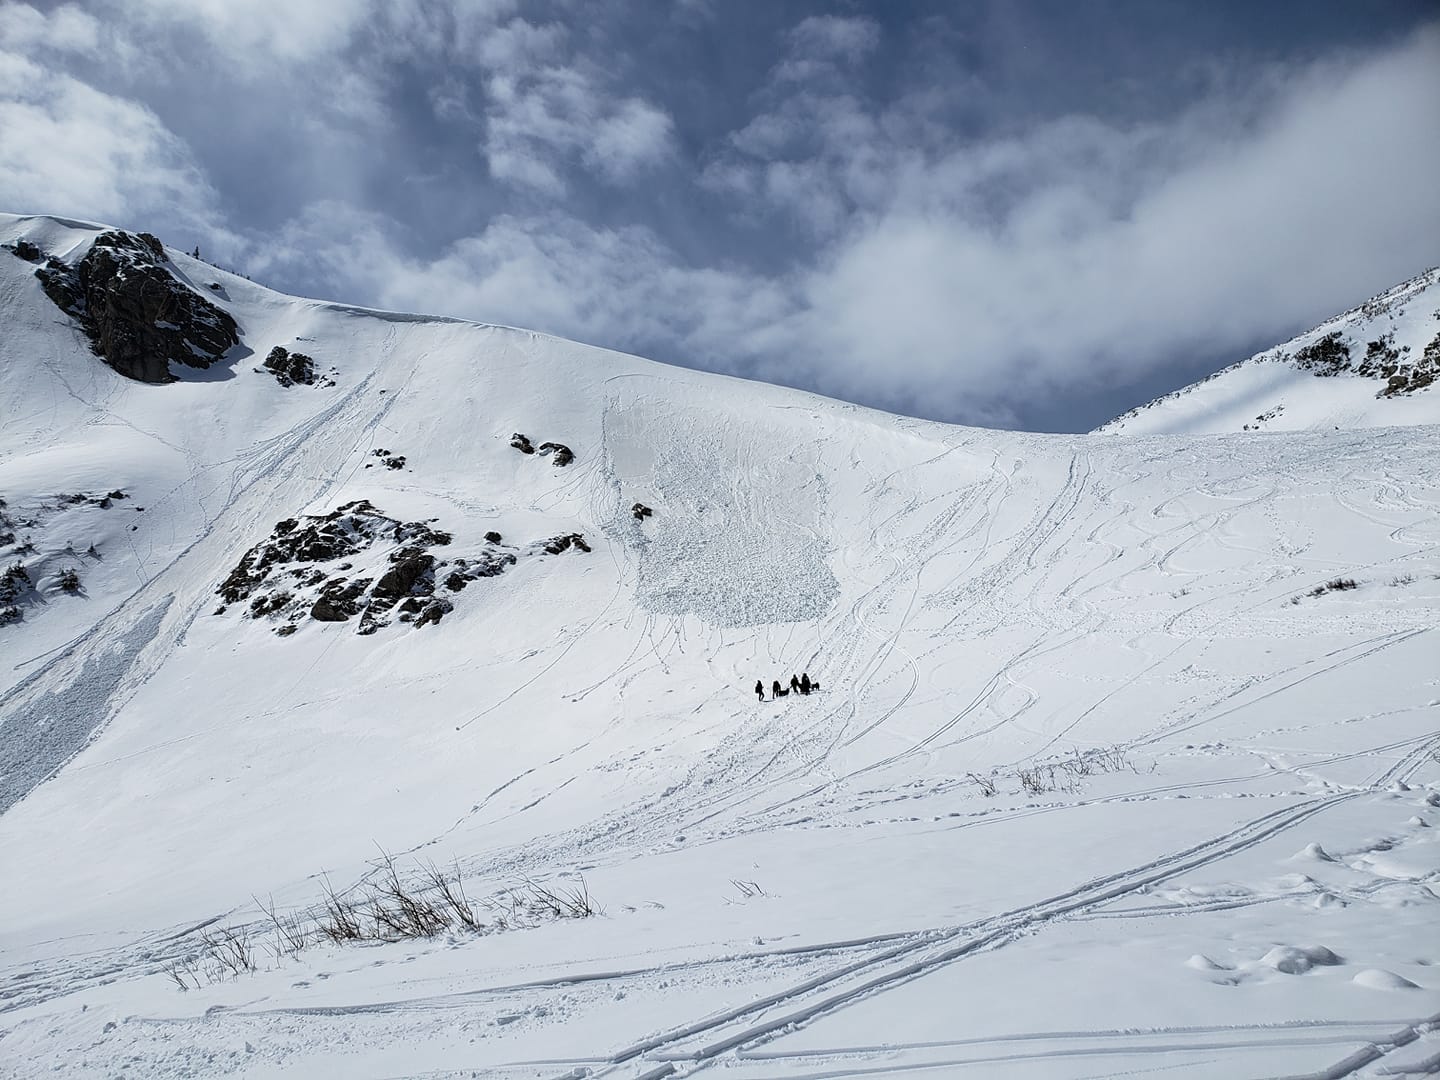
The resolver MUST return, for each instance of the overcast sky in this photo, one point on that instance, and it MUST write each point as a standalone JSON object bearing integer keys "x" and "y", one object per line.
{"x": 1014, "y": 213}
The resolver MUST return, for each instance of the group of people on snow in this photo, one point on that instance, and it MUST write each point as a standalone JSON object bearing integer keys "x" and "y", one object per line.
{"x": 801, "y": 684}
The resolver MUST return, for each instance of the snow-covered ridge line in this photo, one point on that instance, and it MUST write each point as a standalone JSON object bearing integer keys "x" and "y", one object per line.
{"x": 1280, "y": 389}
{"x": 1154, "y": 715}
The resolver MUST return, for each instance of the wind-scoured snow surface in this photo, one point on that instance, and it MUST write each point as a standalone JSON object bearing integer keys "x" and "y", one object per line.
{"x": 1279, "y": 390}
{"x": 1236, "y": 875}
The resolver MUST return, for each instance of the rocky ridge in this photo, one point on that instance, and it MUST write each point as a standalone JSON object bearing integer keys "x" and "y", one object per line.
{"x": 1391, "y": 342}
{"x": 138, "y": 315}
{"x": 294, "y": 369}
{"x": 325, "y": 569}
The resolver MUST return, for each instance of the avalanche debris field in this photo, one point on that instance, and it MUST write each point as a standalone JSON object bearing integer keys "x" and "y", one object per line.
{"x": 1125, "y": 758}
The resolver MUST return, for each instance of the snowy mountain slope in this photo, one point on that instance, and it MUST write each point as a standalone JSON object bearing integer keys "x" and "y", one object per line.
{"x": 1197, "y": 747}
{"x": 1374, "y": 366}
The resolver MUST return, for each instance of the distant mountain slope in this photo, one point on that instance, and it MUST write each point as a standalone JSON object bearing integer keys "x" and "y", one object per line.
{"x": 1377, "y": 365}
{"x": 1122, "y": 754}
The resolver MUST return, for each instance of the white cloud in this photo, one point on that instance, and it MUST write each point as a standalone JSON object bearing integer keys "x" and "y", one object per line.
{"x": 1124, "y": 246}
{"x": 822, "y": 44}
{"x": 546, "y": 110}
{"x": 634, "y": 135}
{"x": 933, "y": 273}
{"x": 552, "y": 273}
{"x": 968, "y": 282}
{"x": 255, "y": 32}
{"x": 65, "y": 29}
{"x": 957, "y": 276}
{"x": 66, "y": 148}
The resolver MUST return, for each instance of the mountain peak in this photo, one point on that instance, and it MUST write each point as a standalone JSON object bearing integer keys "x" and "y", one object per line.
{"x": 1372, "y": 366}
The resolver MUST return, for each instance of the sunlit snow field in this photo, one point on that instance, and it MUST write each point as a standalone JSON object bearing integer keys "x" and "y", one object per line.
{"x": 1101, "y": 779}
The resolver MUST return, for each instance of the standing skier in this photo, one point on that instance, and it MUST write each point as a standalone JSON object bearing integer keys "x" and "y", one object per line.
{"x": 760, "y": 689}
{"x": 805, "y": 683}
{"x": 795, "y": 683}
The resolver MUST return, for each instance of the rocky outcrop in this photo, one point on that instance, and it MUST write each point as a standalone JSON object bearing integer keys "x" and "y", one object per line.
{"x": 307, "y": 567}
{"x": 412, "y": 572}
{"x": 1331, "y": 355}
{"x": 563, "y": 454}
{"x": 556, "y": 544}
{"x": 488, "y": 564}
{"x": 640, "y": 511}
{"x": 138, "y": 316}
{"x": 389, "y": 460}
{"x": 24, "y": 249}
{"x": 1401, "y": 375}
{"x": 294, "y": 369}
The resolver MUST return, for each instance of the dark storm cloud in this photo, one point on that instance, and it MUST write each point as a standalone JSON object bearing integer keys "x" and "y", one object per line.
{"x": 972, "y": 216}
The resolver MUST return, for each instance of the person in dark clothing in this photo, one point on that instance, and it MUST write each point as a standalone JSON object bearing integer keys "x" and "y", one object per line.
{"x": 778, "y": 690}
{"x": 795, "y": 683}
{"x": 805, "y": 683}
{"x": 760, "y": 689}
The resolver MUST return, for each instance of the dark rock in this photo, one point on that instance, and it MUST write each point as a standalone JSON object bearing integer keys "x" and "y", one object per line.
{"x": 434, "y": 612}
{"x": 491, "y": 565}
{"x": 389, "y": 460}
{"x": 139, "y": 317}
{"x": 9, "y": 613}
{"x": 1326, "y": 357}
{"x": 521, "y": 443}
{"x": 157, "y": 249}
{"x": 327, "y": 609}
{"x": 555, "y": 545}
{"x": 493, "y": 537}
{"x": 62, "y": 285}
{"x": 641, "y": 511}
{"x": 290, "y": 369}
{"x": 402, "y": 578}
{"x": 286, "y": 630}
{"x": 13, "y": 583}
{"x": 1406, "y": 377}
{"x": 359, "y": 506}
{"x": 563, "y": 454}
{"x": 24, "y": 249}
{"x": 268, "y": 603}
{"x": 421, "y": 534}
{"x": 303, "y": 554}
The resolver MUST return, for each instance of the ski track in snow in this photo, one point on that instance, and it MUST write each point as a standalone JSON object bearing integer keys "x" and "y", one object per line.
{"x": 972, "y": 603}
